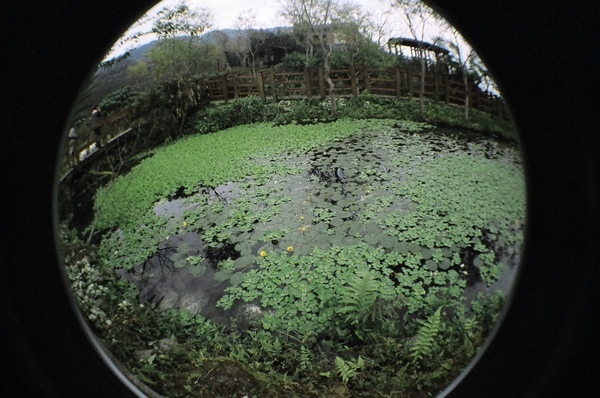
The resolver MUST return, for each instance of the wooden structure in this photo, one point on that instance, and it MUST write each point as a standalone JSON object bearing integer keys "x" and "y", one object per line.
{"x": 271, "y": 84}
{"x": 433, "y": 55}
{"x": 87, "y": 146}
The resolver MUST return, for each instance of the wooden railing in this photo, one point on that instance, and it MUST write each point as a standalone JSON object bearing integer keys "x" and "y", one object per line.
{"x": 87, "y": 142}
{"x": 391, "y": 83}
{"x": 276, "y": 85}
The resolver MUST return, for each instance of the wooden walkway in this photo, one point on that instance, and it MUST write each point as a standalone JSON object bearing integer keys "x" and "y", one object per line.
{"x": 92, "y": 155}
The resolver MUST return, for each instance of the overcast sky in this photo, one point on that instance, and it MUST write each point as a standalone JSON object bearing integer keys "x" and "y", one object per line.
{"x": 226, "y": 12}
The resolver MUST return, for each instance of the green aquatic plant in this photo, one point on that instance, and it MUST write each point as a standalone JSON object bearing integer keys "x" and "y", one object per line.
{"x": 364, "y": 269}
{"x": 209, "y": 160}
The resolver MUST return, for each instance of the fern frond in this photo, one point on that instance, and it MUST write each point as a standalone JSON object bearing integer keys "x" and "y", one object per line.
{"x": 424, "y": 346}
{"x": 359, "y": 297}
{"x": 344, "y": 370}
{"x": 305, "y": 358}
{"x": 275, "y": 348}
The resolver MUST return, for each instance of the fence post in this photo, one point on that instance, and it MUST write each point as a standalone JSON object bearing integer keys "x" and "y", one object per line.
{"x": 307, "y": 83}
{"x": 235, "y": 86}
{"x": 398, "y": 83}
{"x": 261, "y": 85}
{"x": 322, "y": 83}
{"x": 353, "y": 81}
{"x": 224, "y": 87}
{"x": 367, "y": 80}
{"x": 272, "y": 81}
{"x": 447, "y": 84}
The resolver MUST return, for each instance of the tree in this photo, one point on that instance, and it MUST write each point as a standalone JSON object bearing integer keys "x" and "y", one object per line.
{"x": 318, "y": 21}
{"x": 139, "y": 74}
{"x": 250, "y": 39}
{"x": 465, "y": 59}
{"x": 181, "y": 20}
{"x": 180, "y": 57}
{"x": 417, "y": 16}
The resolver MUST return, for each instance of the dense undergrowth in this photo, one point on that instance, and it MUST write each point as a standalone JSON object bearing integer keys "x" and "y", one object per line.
{"x": 254, "y": 110}
{"x": 360, "y": 277}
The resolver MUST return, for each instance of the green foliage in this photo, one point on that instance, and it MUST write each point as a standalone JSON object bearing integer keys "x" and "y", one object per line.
{"x": 297, "y": 62}
{"x": 154, "y": 117}
{"x": 425, "y": 345}
{"x": 364, "y": 53}
{"x": 348, "y": 370}
{"x": 302, "y": 112}
{"x": 233, "y": 113}
{"x": 206, "y": 160}
{"x": 362, "y": 275}
{"x": 87, "y": 281}
{"x": 359, "y": 297}
{"x": 487, "y": 310}
{"x": 308, "y": 292}
{"x": 181, "y": 20}
{"x": 118, "y": 100}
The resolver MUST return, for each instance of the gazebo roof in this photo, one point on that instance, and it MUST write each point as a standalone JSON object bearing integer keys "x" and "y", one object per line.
{"x": 402, "y": 41}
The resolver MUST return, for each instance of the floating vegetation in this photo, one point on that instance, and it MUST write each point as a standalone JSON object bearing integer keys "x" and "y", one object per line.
{"x": 363, "y": 253}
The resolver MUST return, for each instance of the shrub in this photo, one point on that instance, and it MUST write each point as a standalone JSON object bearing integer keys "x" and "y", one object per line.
{"x": 233, "y": 113}
{"x": 302, "y": 112}
{"x": 152, "y": 117}
{"x": 118, "y": 100}
{"x": 296, "y": 62}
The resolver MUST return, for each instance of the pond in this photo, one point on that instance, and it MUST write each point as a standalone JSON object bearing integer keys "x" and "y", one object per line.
{"x": 435, "y": 214}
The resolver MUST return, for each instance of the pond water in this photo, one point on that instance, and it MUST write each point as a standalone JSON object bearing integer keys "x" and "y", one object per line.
{"x": 439, "y": 196}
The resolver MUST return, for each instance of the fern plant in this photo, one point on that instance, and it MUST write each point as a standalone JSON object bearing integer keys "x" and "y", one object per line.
{"x": 425, "y": 344}
{"x": 348, "y": 370}
{"x": 305, "y": 360}
{"x": 359, "y": 297}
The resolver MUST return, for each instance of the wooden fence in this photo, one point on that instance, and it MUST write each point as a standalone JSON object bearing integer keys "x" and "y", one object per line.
{"x": 87, "y": 144}
{"x": 276, "y": 85}
{"x": 392, "y": 83}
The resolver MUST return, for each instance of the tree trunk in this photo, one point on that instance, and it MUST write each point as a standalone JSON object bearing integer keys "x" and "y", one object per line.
{"x": 330, "y": 85}
{"x": 422, "y": 93}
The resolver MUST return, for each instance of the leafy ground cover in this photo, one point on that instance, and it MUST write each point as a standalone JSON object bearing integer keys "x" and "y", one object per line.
{"x": 355, "y": 241}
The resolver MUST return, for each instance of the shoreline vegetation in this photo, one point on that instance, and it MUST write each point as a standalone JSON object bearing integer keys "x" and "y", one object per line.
{"x": 351, "y": 242}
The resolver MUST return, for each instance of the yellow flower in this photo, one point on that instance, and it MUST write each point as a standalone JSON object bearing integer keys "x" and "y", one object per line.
{"x": 302, "y": 217}
{"x": 185, "y": 224}
{"x": 263, "y": 253}
{"x": 290, "y": 249}
{"x": 303, "y": 229}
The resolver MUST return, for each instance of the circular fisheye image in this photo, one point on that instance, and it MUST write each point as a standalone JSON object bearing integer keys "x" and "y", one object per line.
{"x": 294, "y": 199}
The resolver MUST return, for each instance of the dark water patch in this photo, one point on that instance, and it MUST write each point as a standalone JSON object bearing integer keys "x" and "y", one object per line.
{"x": 182, "y": 274}
{"x": 494, "y": 147}
{"x": 180, "y": 193}
{"x": 470, "y": 272}
{"x": 225, "y": 251}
